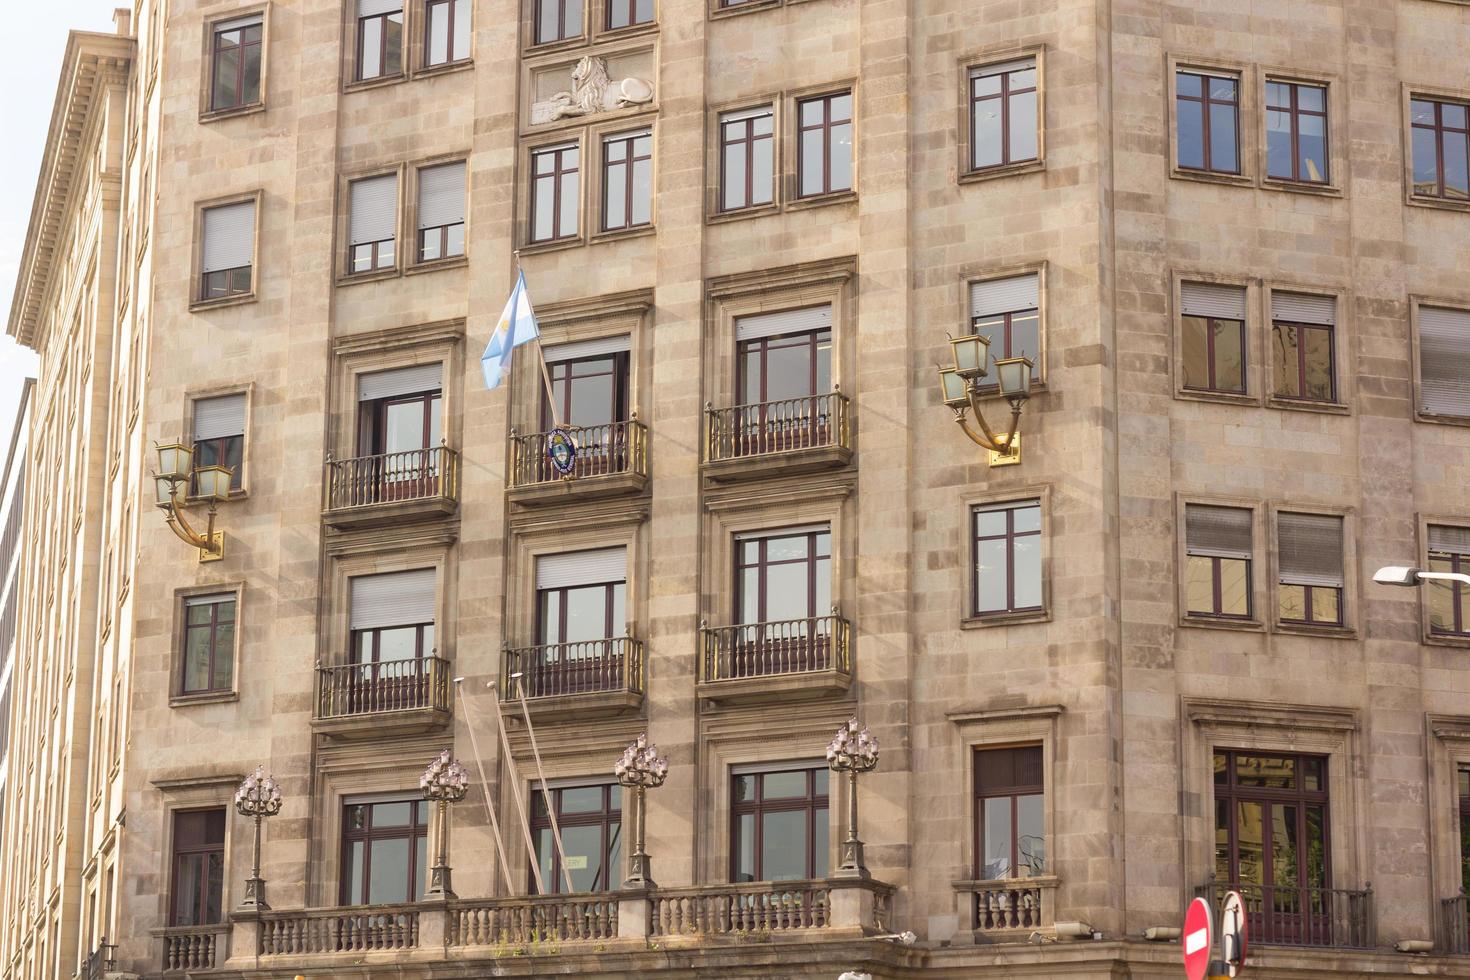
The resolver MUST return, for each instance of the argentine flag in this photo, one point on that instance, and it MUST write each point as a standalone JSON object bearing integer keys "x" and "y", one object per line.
{"x": 517, "y": 325}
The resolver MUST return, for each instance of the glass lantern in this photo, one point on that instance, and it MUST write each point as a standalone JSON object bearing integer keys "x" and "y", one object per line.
{"x": 175, "y": 461}
{"x": 956, "y": 389}
{"x": 213, "y": 482}
{"x": 971, "y": 355}
{"x": 1014, "y": 375}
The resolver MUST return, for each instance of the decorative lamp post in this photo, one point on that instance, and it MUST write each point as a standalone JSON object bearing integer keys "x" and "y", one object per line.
{"x": 175, "y": 472}
{"x": 852, "y": 750}
{"x": 963, "y": 385}
{"x": 445, "y": 781}
{"x": 258, "y": 796}
{"x": 639, "y": 769}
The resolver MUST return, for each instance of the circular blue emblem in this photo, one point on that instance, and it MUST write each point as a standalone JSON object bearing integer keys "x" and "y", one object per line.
{"x": 561, "y": 450}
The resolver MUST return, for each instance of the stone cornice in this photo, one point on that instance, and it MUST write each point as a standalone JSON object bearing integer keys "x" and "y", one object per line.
{"x": 92, "y": 63}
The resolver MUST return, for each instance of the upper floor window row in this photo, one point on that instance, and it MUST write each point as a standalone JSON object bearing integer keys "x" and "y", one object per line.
{"x": 436, "y": 216}
{"x": 381, "y": 29}
{"x": 566, "y": 20}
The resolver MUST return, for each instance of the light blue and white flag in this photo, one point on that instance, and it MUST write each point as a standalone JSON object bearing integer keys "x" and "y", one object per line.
{"x": 517, "y": 325}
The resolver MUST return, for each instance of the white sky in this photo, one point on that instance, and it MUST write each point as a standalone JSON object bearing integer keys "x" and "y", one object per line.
{"x": 30, "y": 58}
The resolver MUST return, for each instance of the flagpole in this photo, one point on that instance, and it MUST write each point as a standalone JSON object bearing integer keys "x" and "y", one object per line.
{"x": 515, "y": 788}
{"x": 540, "y": 357}
{"x": 510, "y": 888}
{"x": 541, "y": 775}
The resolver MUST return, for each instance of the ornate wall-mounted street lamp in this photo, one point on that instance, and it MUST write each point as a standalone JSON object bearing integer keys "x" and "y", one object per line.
{"x": 176, "y": 473}
{"x": 963, "y": 386}
{"x": 639, "y": 769}
{"x": 258, "y": 797}
{"x": 852, "y": 750}
{"x": 445, "y": 781}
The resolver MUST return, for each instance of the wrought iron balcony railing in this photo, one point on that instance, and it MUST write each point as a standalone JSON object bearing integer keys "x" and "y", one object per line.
{"x": 792, "y": 646}
{"x": 1279, "y": 915}
{"x": 101, "y": 961}
{"x": 765, "y": 428}
{"x": 602, "y": 450}
{"x": 562, "y": 669}
{"x": 385, "y": 478}
{"x": 347, "y": 690}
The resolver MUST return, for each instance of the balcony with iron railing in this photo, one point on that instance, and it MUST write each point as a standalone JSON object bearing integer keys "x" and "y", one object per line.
{"x": 790, "y": 659}
{"x": 1288, "y": 915}
{"x": 391, "y": 697}
{"x": 594, "y": 677}
{"x": 389, "y": 488}
{"x": 101, "y": 961}
{"x": 794, "y": 435}
{"x": 610, "y": 460}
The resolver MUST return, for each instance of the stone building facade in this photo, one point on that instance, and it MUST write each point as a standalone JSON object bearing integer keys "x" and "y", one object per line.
{"x": 1147, "y": 661}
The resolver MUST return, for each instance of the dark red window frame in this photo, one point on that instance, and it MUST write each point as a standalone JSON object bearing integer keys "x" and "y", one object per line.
{"x": 1004, "y": 97}
{"x": 629, "y": 11}
{"x": 566, "y": 374}
{"x": 1462, "y": 779}
{"x": 387, "y": 53}
{"x": 251, "y": 37}
{"x": 609, "y": 609}
{"x": 1012, "y": 791}
{"x": 814, "y": 561}
{"x": 1211, "y": 323}
{"x": 373, "y": 420}
{"x": 205, "y": 847}
{"x": 416, "y": 829}
{"x": 225, "y": 282}
{"x": 741, "y": 132}
{"x": 558, "y": 177}
{"x": 1206, "y": 102}
{"x": 221, "y": 451}
{"x": 1444, "y": 561}
{"x": 814, "y": 803}
{"x": 1010, "y": 536}
{"x": 430, "y": 12}
{"x": 1300, "y": 377}
{"x": 212, "y": 629}
{"x": 562, "y": 8}
{"x": 763, "y": 346}
{"x": 827, "y": 126}
{"x": 609, "y": 819}
{"x": 1295, "y": 113}
{"x": 625, "y": 183}
{"x": 367, "y": 644}
{"x": 1441, "y": 133}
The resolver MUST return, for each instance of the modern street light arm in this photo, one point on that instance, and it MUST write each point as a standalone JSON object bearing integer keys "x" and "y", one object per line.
{"x": 1409, "y": 576}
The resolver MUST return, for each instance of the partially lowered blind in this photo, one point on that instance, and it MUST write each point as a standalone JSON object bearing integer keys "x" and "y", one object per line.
{"x": 371, "y": 8}
{"x": 576, "y": 568}
{"x": 787, "y": 321}
{"x": 229, "y": 236}
{"x": 1004, "y": 68}
{"x": 394, "y": 599}
{"x": 254, "y": 20}
{"x": 1207, "y": 299}
{"x": 374, "y": 206}
{"x": 441, "y": 195}
{"x": 1309, "y": 549}
{"x": 1304, "y": 308}
{"x": 400, "y": 381}
{"x": 1444, "y": 360}
{"x": 1219, "y": 532}
{"x": 555, "y": 353}
{"x": 1009, "y": 295}
{"x": 1446, "y": 540}
{"x": 216, "y": 418}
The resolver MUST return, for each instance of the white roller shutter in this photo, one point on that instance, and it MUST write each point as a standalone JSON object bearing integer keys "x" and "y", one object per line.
{"x": 229, "y": 236}
{"x": 394, "y": 599}
{"x": 574, "y": 568}
{"x": 785, "y": 532}
{"x": 1304, "y": 308}
{"x": 1207, "y": 299}
{"x": 1220, "y": 532}
{"x": 1009, "y": 295}
{"x": 400, "y": 381}
{"x": 216, "y": 418}
{"x": 1444, "y": 539}
{"x": 1309, "y": 549}
{"x": 740, "y": 115}
{"x": 374, "y": 208}
{"x": 1444, "y": 360}
{"x": 254, "y": 20}
{"x": 371, "y": 8}
{"x": 1005, "y": 67}
{"x": 441, "y": 195}
{"x": 556, "y": 353}
{"x": 787, "y": 321}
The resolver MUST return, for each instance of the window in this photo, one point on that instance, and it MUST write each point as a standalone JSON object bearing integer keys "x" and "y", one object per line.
{"x": 824, "y": 144}
{"x": 399, "y": 424}
{"x": 209, "y": 644}
{"x": 235, "y": 50}
{"x": 779, "y": 825}
{"x": 627, "y": 180}
{"x": 228, "y": 248}
{"x": 784, "y": 356}
{"x": 1441, "y": 149}
{"x": 557, "y": 20}
{"x": 385, "y": 846}
{"x": 1008, "y": 313}
{"x": 441, "y": 211}
{"x": 1207, "y": 110}
{"x": 1212, "y": 321}
{"x": 783, "y": 575}
{"x": 373, "y": 212}
{"x": 747, "y": 158}
{"x": 1462, "y": 785}
{"x": 1444, "y": 361}
{"x": 1309, "y": 560}
{"x": 379, "y": 38}
{"x": 392, "y": 625}
{"x": 628, "y": 13}
{"x": 591, "y": 822}
{"x": 1449, "y": 551}
{"x": 1010, "y": 816}
{"x": 1007, "y": 558}
{"x": 581, "y": 597}
{"x": 1217, "y": 544}
{"x": 219, "y": 433}
{"x": 447, "y": 31}
{"x": 198, "y": 867}
{"x": 1296, "y": 132}
{"x": 1003, "y": 117}
{"x": 554, "y": 193}
{"x": 1271, "y": 837}
{"x": 589, "y": 381}
{"x": 1303, "y": 344}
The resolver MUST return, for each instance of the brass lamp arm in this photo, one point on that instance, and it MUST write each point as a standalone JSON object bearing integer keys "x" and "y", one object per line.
{"x": 986, "y": 438}
{"x": 174, "y": 517}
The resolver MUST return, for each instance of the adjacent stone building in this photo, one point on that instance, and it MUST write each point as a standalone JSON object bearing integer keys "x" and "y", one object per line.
{"x": 1134, "y": 657}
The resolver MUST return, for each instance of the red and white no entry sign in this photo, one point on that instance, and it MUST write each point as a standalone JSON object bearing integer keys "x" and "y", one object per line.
{"x": 1198, "y": 940}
